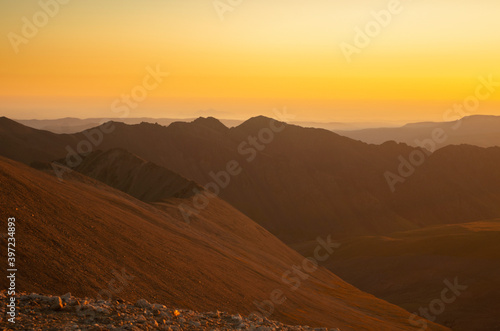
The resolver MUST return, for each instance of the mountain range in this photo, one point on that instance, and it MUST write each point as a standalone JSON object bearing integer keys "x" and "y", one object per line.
{"x": 84, "y": 236}
{"x": 410, "y": 216}
{"x": 300, "y": 182}
{"x": 478, "y": 130}
{"x": 74, "y": 125}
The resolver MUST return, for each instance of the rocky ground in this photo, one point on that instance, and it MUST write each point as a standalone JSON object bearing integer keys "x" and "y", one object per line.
{"x": 40, "y": 312}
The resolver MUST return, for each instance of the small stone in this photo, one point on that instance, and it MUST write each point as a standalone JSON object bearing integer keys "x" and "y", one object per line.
{"x": 57, "y": 305}
{"x": 46, "y": 299}
{"x": 102, "y": 311}
{"x": 142, "y": 303}
{"x": 194, "y": 323}
{"x": 165, "y": 314}
{"x": 215, "y": 314}
{"x": 34, "y": 296}
{"x": 157, "y": 306}
{"x": 74, "y": 303}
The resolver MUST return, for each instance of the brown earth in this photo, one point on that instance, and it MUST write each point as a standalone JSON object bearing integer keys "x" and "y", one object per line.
{"x": 302, "y": 183}
{"x": 83, "y": 237}
{"x": 410, "y": 268}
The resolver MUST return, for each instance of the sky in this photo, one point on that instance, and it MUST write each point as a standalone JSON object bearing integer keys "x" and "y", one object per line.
{"x": 314, "y": 58}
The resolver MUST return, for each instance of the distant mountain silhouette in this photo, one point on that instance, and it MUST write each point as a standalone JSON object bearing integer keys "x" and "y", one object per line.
{"x": 479, "y": 130}
{"x": 74, "y": 125}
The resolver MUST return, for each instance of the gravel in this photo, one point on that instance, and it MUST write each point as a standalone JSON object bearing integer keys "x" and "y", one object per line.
{"x": 40, "y": 312}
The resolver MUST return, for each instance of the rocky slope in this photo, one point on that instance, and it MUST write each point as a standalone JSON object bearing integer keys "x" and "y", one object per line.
{"x": 41, "y": 312}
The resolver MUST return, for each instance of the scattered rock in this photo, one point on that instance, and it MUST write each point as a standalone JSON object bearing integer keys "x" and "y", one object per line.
{"x": 34, "y": 296}
{"x": 120, "y": 315}
{"x": 102, "y": 310}
{"x": 237, "y": 318}
{"x": 142, "y": 303}
{"x": 195, "y": 323}
{"x": 66, "y": 297}
{"x": 58, "y": 304}
{"x": 157, "y": 306}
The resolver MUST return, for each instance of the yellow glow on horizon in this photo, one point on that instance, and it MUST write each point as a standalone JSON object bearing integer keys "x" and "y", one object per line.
{"x": 285, "y": 51}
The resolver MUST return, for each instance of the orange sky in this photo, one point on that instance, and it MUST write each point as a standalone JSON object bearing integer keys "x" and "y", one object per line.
{"x": 263, "y": 55}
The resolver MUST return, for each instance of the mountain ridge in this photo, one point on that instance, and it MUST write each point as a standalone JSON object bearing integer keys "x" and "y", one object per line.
{"x": 293, "y": 174}
{"x": 92, "y": 232}
{"x": 479, "y": 130}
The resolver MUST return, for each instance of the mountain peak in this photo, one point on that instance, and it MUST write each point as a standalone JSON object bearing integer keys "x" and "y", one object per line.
{"x": 256, "y": 122}
{"x": 210, "y": 122}
{"x": 259, "y": 119}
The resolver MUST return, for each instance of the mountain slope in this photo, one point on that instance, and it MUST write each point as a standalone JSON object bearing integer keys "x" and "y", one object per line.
{"x": 141, "y": 179}
{"x": 460, "y": 183}
{"x": 25, "y": 144}
{"x": 262, "y": 190}
{"x": 410, "y": 270}
{"x": 83, "y": 237}
{"x": 297, "y": 182}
